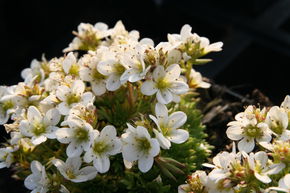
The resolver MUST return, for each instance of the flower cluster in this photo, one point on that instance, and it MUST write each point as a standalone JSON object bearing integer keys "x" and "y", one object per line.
{"x": 74, "y": 117}
{"x": 266, "y": 170}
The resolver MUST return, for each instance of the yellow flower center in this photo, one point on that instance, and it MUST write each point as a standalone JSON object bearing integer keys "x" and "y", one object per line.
{"x": 74, "y": 69}
{"x": 72, "y": 98}
{"x": 162, "y": 83}
{"x": 81, "y": 135}
{"x": 38, "y": 129}
{"x": 253, "y": 131}
{"x": 97, "y": 75}
{"x": 143, "y": 145}
{"x": 100, "y": 147}
{"x": 7, "y": 105}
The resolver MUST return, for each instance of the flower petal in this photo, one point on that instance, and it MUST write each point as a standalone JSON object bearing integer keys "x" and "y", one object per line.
{"x": 63, "y": 108}
{"x": 155, "y": 147}
{"x": 78, "y": 87}
{"x": 234, "y": 133}
{"x": 52, "y": 117}
{"x": 161, "y": 111}
{"x": 177, "y": 119}
{"x": 102, "y": 164}
{"x": 33, "y": 115}
{"x": 74, "y": 163}
{"x": 158, "y": 73}
{"x": 145, "y": 163}
{"x": 38, "y": 140}
{"x": 178, "y": 136}
{"x": 64, "y": 135}
{"x": 246, "y": 145}
{"x": 109, "y": 132}
{"x": 148, "y": 88}
{"x": 113, "y": 82}
{"x": 62, "y": 92}
{"x": 73, "y": 150}
{"x": 179, "y": 87}
{"x": 163, "y": 141}
{"x": 164, "y": 96}
{"x": 69, "y": 60}
{"x": 172, "y": 72}
{"x": 263, "y": 178}
{"x": 99, "y": 87}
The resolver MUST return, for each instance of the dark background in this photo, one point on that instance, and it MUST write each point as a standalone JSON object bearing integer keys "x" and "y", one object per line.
{"x": 255, "y": 33}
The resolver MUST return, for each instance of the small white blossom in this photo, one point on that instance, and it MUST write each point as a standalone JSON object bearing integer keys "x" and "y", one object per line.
{"x": 70, "y": 65}
{"x": 89, "y": 73}
{"x": 103, "y": 145}
{"x": 277, "y": 119}
{"x": 87, "y": 113}
{"x": 34, "y": 73}
{"x": 70, "y": 170}
{"x": 40, "y": 127}
{"x": 10, "y": 100}
{"x": 112, "y": 67}
{"x": 165, "y": 83}
{"x": 71, "y": 96}
{"x": 247, "y": 128}
{"x": 186, "y": 36}
{"x": 88, "y": 37}
{"x": 134, "y": 60}
{"x": 222, "y": 165}
{"x": 195, "y": 80}
{"x": 78, "y": 135}
{"x": 258, "y": 162}
{"x": 195, "y": 183}
{"x": 6, "y": 157}
{"x": 139, "y": 146}
{"x": 168, "y": 126}
{"x": 38, "y": 181}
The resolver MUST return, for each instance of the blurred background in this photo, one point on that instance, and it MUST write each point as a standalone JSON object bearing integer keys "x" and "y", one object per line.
{"x": 256, "y": 36}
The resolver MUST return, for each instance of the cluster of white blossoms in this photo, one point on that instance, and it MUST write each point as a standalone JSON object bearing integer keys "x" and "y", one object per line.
{"x": 263, "y": 161}
{"x": 56, "y": 102}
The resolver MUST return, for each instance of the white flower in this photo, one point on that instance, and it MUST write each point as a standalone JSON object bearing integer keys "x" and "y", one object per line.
{"x": 195, "y": 80}
{"x": 6, "y": 157}
{"x": 84, "y": 112}
{"x": 139, "y": 146}
{"x": 70, "y": 170}
{"x": 88, "y": 36}
{"x": 286, "y": 107}
{"x": 222, "y": 165}
{"x": 277, "y": 119}
{"x": 247, "y": 129}
{"x": 10, "y": 101}
{"x": 78, "y": 135}
{"x": 258, "y": 162}
{"x": 186, "y": 36}
{"x": 284, "y": 184}
{"x": 70, "y": 65}
{"x": 103, "y": 145}
{"x": 72, "y": 96}
{"x": 34, "y": 73}
{"x": 40, "y": 127}
{"x": 168, "y": 126}
{"x": 38, "y": 181}
{"x": 134, "y": 60}
{"x": 121, "y": 36}
{"x": 165, "y": 83}
{"x": 286, "y": 104}
{"x": 196, "y": 183}
{"x": 89, "y": 73}
{"x": 112, "y": 67}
